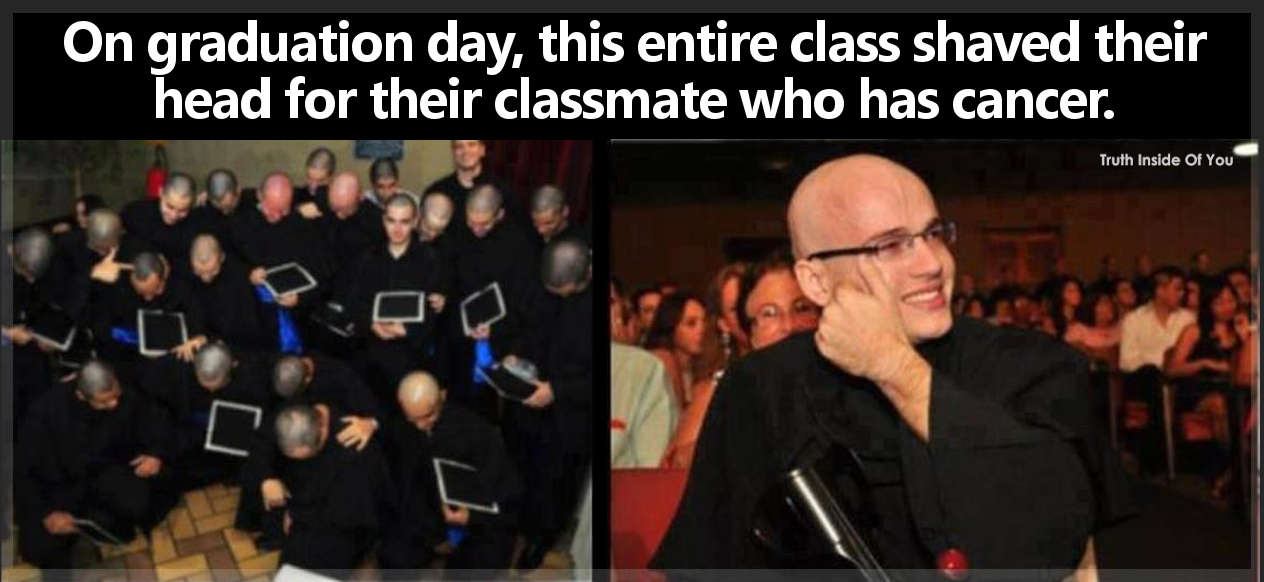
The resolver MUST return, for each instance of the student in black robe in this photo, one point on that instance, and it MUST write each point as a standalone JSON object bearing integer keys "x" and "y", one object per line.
{"x": 168, "y": 224}
{"x": 432, "y": 428}
{"x": 500, "y": 251}
{"x": 90, "y": 271}
{"x": 977, "y": 447}
{"x": 351, "y": 227}
{"x": 222, "y": 293}
{"x": 551, "y": 431}
{"x": 551, "y": 216}
{"x": 30, "y": 257}
{"x": 311, "y": 199}
{"x": 308, "y": 379}
{"x": 93, "y": 450}
{"x": 335, "y": 499}
{"x": 150, "y": 285}
{"x": 469, "y": 173}
{"x": 224, "y": 203}
{"x": 433, "y": 229}
{"x": 392, "y": 349}
{"x": 270, "y": 235}
{"x": 188, "y": 391}
{"x": 384, "y": 182}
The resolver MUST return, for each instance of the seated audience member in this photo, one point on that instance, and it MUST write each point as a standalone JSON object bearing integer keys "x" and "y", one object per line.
{"x": 311, "y": 199}
{"x": 1203, "y": 360}
{"x": 642, "y": 414}
{"x": 334, "y": 500}
{"x": 222, "y": 293}
{"x": 772, "y": 307}
{"x": 551, "y": 216}
{"x": 94, "y": 451}
{"x": 168, "y": 224}
{"x": 1096, "y": 329}
{"x": 1200, "y": 268}
{"x": 398, "y": 263}
{"x": 974, "y": 308}
{"x": 623, "y": 323}
{"x": 675, "y": 337}
{"x": 1143, "y": 279}
{"x": 1002, "y": 312}
{"x": 1193, "y": 293}
{"x": 1109, "y": 272}
{"x": 1027, "y": 311}
{"x": 1066, "y": 303}
{"x": 1126, "y": 297}
{"x": 188, "y": 392}
{"x": 1147, "y": 333}
{"x": 1240, "y": 279}
{"x": 433, "y": 428}
{"x": 645, "y": 304}
{"x": 722, "y": 301}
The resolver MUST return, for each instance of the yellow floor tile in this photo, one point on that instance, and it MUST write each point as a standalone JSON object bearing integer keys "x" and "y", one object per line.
{"x": 181, "y": 524}
{"x": 240, "y": 544}
{"x": 216, "y": 490}
{"x": 215, "y": 522}
{"x": 20, "y": 573}
{"x": 137, "y": 545}
{"x": 182, "y": 568}
{"x": 164, "y": 548}
{"x": 198, "y": 504}
{"x": 259, "y": 565}
{"x": 225, "y": 503}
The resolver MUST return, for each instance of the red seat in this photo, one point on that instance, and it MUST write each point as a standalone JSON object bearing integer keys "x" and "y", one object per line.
{"x": 642, "y": 504}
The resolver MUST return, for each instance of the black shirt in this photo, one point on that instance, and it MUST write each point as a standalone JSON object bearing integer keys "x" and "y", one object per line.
{"x": 143, "y": 218}
{"x": 348, "y": 240}
{"x": 507, "y": 256}
{"x": 1016, "y": 473}
{"x": 231, "y": 311}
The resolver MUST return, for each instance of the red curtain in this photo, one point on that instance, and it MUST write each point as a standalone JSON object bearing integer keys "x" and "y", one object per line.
{"x": 529, "y": 164}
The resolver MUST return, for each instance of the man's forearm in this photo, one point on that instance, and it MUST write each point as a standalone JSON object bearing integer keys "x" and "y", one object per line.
{"x": 909, "y": 392}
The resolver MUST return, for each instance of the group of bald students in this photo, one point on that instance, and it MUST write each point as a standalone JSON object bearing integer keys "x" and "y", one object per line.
{"x": 341, "y": 465}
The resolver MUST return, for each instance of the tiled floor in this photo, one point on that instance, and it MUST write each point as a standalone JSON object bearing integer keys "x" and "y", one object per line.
{"x": 197, "y": 543}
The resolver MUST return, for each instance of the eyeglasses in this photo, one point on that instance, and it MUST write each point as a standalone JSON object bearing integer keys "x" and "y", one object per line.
{"x": 895, "y": 247}
{"x": 773, "y": 314}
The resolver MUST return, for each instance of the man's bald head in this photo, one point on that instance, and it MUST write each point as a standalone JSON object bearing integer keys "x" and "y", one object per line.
{"x": 178, "y": 194}
{"x": 276, "y": 196}
{"x": 566, "y": 266}
{"x": 149, "y": 275}
{"x": 299, "y": 431}
{"x": 289, "y": 376}
{"x": 213, "y": 365}
{"x": 98, "y": 386}
{"x": 866, "y": 201}
{"x": 436, "y": 214}
{"x": 421, "y": 399}
{"x": 344, "y": 194}
{"x": 483, "y": 209}
{"x": 549, "y": 211}
{"x": 221, "y": 189}
{"x": 104, "y": 230}
{"x": 206, "y": 256}
{"x": 33, "y": 252}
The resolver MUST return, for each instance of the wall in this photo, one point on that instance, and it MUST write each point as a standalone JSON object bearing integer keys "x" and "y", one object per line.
{"x": 683, "y": 242}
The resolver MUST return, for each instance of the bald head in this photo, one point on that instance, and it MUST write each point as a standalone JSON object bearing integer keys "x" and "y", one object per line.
{"x": 566, "y": 266}
{"x": 483, "y": 209}
{"x": 344, "y": 194}
{"x": 869, "y": 201}
{"x": 213, "y": 365}
{"x": 206, "y": 256}
{"x": 104, "y": 230}
{"x": 180, "y": 185}
{"x": 299, "y": 431}
{"x": 276, "y": 195}
{"x": 98, "y": 386}
{"x": 421, "y": 399}
{"x": 436, "y": 213}
{"x": 33, "y": 252}
{"x": 221, "y": 189}
{"x": 549, "y": 211}
{"x": 289, "y": 376}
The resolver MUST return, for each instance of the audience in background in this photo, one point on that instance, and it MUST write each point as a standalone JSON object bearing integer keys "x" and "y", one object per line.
{"x": 675, "y": 336}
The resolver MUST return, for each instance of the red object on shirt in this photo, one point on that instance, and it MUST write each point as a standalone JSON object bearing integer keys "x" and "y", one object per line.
{"x": 154, "y": 179}
{"x": 953, "y": 565}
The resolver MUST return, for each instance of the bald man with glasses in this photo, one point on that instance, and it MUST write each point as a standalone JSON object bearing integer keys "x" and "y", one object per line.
{"x": 972, "y": 448}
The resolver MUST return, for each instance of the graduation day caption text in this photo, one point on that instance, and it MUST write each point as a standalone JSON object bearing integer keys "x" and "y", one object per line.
{"x": 510, "y": 54}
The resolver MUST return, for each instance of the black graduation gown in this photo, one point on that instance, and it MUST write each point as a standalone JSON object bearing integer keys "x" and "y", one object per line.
{"x": 318, "y": 195}
{"x": 32, "y": 369}
{"x": 76, "y": 459}
{"x": 506, "y": 256}
{"x": 143, "y": 218}
{"x": 214, "y": 222}
{"x": 1016, "y": 473}
{"x": 231, "y": 310}
{"x": 348, "y": 240}
{"x": 418, "y": 269}
{"x": 292, "y": 239}
{"x": 463, "y": 436}
{"x": 74, "y": 268}
{"x": 119, "y": 308}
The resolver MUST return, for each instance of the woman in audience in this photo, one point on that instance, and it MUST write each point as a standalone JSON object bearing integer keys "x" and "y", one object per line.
{"x": 974, "y": 308}
{"x": 722, "y": 301}
{"x": 1096, "y": 330}
{"x": 675, "y": 336}
{"x": 1202, "y": 361}
{"x": 771, "y": 307}
{"x": 1065, "y": 305}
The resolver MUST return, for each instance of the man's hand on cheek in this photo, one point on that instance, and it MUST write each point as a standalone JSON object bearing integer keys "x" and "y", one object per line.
{"x": 861, "y": 330}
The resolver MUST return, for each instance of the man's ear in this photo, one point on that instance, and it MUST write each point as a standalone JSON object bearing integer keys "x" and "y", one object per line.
{"x": 500, "y": 213}
{"x": 566, "y": 211}
{"x": 814, "y": 281}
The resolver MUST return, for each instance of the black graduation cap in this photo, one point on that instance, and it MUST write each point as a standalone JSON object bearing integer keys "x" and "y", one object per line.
{"x": 483, "y": 307}
{"x": 512, "y": 382}
{"x": 399, "y": 307}
{"x": 459, "y": 485}
{"x": 160, "y": 331}
{"x": 288, "y": 278}
{"x": 231, "y": 428}
{"x": 53, "y": 327}
{"x": 335, "y": 318}
{"x": 97, "y": 534}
